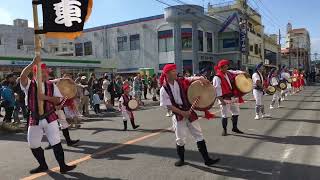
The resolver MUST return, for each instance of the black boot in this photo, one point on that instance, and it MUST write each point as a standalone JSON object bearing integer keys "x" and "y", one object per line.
{"x": 235, "y": 125}
{"x": 134, "y": 126}
{"x": 66, "y": 135}
{"x": 204, "y": 152}
{"x": 180, "y": 152}
{"x": 59, "y": 154}
{"x": 38, "y": 153}
{"x": 125, "y": 125}
{"x": 224, "y": 125}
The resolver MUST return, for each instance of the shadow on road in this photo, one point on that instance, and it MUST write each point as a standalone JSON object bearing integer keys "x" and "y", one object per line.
{"x": 77, "y": 175}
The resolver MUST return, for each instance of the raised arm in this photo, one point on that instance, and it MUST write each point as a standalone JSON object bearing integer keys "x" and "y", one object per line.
{"x": 26, "y": 71}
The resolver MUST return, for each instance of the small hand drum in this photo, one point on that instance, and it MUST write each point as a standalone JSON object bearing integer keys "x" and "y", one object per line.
{"x": 283, "y": 85}
{"x": 271, "y": 90}
{"x": 133, "y": 104}
{"x": 294, "y": 79}
{"x": 67, "y": 88}
{"x": 206, "y": 93}
{"x": 244, "y": 84}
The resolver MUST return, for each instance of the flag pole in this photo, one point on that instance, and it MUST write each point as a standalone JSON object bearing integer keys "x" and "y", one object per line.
{"x": 37, "y": 42}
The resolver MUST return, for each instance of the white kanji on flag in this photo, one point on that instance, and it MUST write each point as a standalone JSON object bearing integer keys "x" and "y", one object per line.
{"x": 68, "y": 11}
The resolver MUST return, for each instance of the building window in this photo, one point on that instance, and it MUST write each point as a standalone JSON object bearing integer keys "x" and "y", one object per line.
{"x": 251, "y": 48}
{"x": 200, "y": 38}
{"x": 165, "y": 41}
{"x": 186, "y": 36}
{"x": 87, "y": 48}
{"x": 135, "y": 42}
{"x": 19, "y": 43}
{"x": 256, "y": 49}
{"x": 230, "y": 43}
{"x": 0, "y": 41}
{"x": 79, "y": 49}
{"x": 209, "y": 42}
{"x": 122, "y": 41}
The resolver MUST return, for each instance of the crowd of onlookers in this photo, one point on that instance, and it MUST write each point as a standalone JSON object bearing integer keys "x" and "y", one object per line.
{"x": 92, "y": 92}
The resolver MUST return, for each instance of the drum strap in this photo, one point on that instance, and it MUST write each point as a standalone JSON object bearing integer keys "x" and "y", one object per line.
{"x": 185, "y": 106}
{"x": 262, "y": 81}
{"x": 126, "y": 100}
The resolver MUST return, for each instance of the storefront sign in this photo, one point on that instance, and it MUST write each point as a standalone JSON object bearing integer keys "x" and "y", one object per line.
{"x": 20, "y": 63}
{"x": 243, "y": 39}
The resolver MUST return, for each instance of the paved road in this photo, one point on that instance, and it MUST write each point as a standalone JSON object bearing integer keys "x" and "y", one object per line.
{"x": 284, "y": 147}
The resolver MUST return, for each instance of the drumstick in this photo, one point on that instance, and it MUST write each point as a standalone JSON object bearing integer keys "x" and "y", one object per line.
{"x": 195, "y": 103}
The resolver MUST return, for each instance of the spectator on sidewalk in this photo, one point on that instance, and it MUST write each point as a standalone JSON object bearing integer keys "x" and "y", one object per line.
{"x": 137, "y": 89}
{"x": 8, "y": 101}
{"x": 96, "y": 102}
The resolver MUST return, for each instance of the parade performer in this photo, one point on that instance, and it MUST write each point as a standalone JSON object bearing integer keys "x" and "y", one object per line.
{"x": 258, "y": 92}
{"x": 274, "y": 81}
{"x": 173, "y": 96}
{"x": 46, "y": 123}
{"x": 124, "y": 108}
{"x": 227, "y": 95}
{"x": 285, "y": 75}
{"x": 302, "y": 80}
{"x": 64, "y": 125}
{"x": 296, "y": 82}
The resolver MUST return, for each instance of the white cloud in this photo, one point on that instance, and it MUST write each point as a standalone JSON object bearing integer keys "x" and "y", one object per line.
{"x": 6, "y": 17}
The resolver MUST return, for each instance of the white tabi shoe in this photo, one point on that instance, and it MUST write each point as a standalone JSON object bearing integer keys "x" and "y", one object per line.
{"x": 271, "y": 107}
{"x": 257, "y": 117}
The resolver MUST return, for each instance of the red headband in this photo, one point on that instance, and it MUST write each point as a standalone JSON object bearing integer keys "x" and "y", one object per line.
{"x": 223, "y": 62}
{"x": 168, "y": 67}
{"x": 126, "y": 87}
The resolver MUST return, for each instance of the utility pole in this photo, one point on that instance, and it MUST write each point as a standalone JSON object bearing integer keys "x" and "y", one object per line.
{"x": 279, "y": 52}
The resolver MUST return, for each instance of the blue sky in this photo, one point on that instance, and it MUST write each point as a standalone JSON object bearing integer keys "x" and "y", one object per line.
{"x": 275, "y": 13}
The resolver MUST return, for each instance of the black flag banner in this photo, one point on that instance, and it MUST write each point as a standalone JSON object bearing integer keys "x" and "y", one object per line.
{"x": 64, "y": 18}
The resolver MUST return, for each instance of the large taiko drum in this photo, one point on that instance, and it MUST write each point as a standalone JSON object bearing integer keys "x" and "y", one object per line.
{"x": 133, "y": 104}
{"x": 205, "y": 93}
{"x": 244, "y": 84}
{"x": 67, "y": 88}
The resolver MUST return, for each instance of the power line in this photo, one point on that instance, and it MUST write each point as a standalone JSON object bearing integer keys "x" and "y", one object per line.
{"x": 266, "y": 12}
{"x": 267, "y": 9}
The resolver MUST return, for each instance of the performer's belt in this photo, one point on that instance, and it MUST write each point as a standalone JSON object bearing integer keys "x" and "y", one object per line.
{"x": 258, "y": 88}
{"x": 44, "y": 116}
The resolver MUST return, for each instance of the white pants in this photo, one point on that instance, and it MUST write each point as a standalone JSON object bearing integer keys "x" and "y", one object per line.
{"x": 258, "y": 96}
{"x": 233, "y": 108}
{"x": 35, "y": 133}
{"x": 62, "y": 119}
{"x": 126, "y": 116}
{"x": 181, "y": 128}
{"x": 276, "y": 96}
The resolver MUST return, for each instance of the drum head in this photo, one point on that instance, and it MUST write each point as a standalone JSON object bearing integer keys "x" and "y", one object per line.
{"x": 294, "y": 79}
{"x": 245, "y": 85}
{"x": 133, "y": 104}
{"x": 206, "y": 93}
{"x": 283, "y": 86}
{"x": 271, "y": 90}
{"x": 67, "y": 88}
